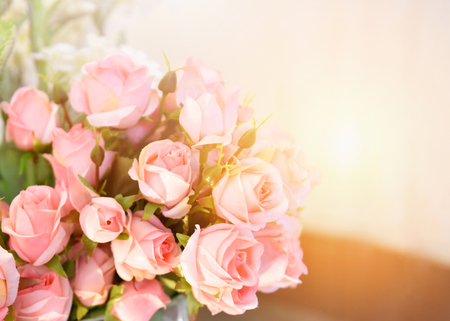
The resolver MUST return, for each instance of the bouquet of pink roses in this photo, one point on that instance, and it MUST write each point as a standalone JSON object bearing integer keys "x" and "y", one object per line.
{"x": 124, "y": 194}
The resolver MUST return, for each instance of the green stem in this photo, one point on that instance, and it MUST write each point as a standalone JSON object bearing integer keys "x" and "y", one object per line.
{"x": 158, "y": 121}
{"x": 66, "y": 115}
{"x": 238, "y": 152}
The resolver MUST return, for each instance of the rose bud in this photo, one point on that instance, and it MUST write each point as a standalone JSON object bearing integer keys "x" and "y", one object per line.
{"x": 9, "y": 281}
{"x": 114, "y": 93}
{"x": 251, "y": 194}
{"x": 45, "y": 295}
{"x": 102, "y": 220}
{"x": 140, "y": 300}
{"x": 34, "y": 224}
{"x": 150, "y": 250}
{"x": 165, "y": 173}
{"x": 221, "y": 264}
{"x": 31, "y": 117}
{"x": 93, "y": 278}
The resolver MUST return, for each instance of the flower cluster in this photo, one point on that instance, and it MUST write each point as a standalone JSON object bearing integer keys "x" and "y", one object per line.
{"x": 148, "y": 193}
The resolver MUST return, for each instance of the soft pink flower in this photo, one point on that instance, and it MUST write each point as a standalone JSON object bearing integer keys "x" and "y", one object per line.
{"x": 251, "y": 194}
{"x": 114, "y": 93}
{"x": 31, "y": 116}
{"x": 9, "y": 281}
{"x": 73, "y": 150}
{"x": 209, "y": 113}
{"x": 281, "y": 262}
{"x": 197, "y": 80}
{"x": 93, "y": 278}
{"x": 150, "y": 250}
{"x": 34, "y": 224}
{"x": 221, "y": 264}
{"x": 140, "y": 300}
{"x": 45, "y": 296}
{"x": 165, "y": 173}
{"x": 102, "y": 220}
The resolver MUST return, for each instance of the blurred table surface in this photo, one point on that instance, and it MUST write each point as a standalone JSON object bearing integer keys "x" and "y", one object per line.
{"x": 352, "y": 280}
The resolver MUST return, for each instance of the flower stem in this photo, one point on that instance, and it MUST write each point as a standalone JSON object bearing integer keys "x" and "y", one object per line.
{"x": 158, "y": 121}
{"x": 66, "y": 115}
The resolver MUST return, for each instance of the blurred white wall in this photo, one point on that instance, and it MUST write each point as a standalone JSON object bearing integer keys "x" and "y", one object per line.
{"x": 363, "y": 85}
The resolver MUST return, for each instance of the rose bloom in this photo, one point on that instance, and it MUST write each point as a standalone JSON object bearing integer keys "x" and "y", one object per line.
{"x": 281, "y": 262}
{"x": 45, "y": 295}
{"x": 165, "y": 173}
{"x": 94, "y": 278}
{"x": 9, "y": 281}
{"x": 102, "y": 220}
{"x": 251, "y": 194}
{"x": 221, "y": 264}
{"x": 34, "y": 224}
{"x": 277, "y": 147}
{"x": 150, "y": 250}
{"x": 140, "y": 300}
{"x": 31, "y": 116}
{"x": 73, "y": 150}
{"x": 114, "y": 93}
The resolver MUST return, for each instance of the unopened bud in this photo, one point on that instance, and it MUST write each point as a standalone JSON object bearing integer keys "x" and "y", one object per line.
{"x": 59, "y": 95}
{"x": 97, "y": 155}
{"x": 212, "y": 174}
{"x": 248, "y": 139}
{"x": 168, "y": 83}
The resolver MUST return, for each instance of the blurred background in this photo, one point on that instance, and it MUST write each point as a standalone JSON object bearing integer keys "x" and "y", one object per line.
{"x": 363, "y": 86}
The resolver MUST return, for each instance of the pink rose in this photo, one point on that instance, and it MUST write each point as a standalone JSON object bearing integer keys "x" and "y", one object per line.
{"x": 197, "y": 80}
{"x": 221, "y": 264}
{"x": 281, "y": 262}
{"x": 251, "y": 194}
{"x": 9, "y": 281}
{"x": 45, "y": 295}
{"x": 150, "y": 250}
{"x": 31, "y": 116}
{"x": 165, "y": 173}
{"x": 140, "y": 300}
{"x": 94, "y": 278}
{"x": 34, "y": 224}
{"x": 73, "y": 150}
{"x": 114, "y": 93}
{"x": 102, "y": 220}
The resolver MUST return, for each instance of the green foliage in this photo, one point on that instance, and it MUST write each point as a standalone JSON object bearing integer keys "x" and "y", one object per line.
{"x": 7, "y": 32}
{"x": 69, "y": 267}
{"x": 123, "y": 236}
{"x": 127, "y": 201}
{"x": 119, "y": 182}
{"x": 193, "y": 304}
{"x": 85, "y": 183}
{"x": 115, "y": 294}
{"x": 89, "y": 247}
{"x": 16, "y": 257}
{"x": 150, "y": 209}
{"x": 55, "y": 265}
{"x": 182, "y": 239}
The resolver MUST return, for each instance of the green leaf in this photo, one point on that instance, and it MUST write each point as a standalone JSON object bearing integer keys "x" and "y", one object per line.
{"x": 127, "y": 201}
{"x": 170, "y": 280}
{"x": 150, "y": 209}
{"x": 123, "y": 236}
{"x": 55, "y": 265}
{"x": 23, "y": 161}
{"x": 81, "y": 311}
{"x": 207, "y": 202}
{"x": 183, "y": 239}
{"x": 69, "y": 267}
{"x": 89, "y": 247}
{"x": 96, "y": 312}
{"x": 188, "y": 138}
{"x": 193, "y": 304}
{"x": 85, "y": 183}
{"x": 115, "y": 294}
{"x": 183, "y": 286}
{"x": 10, "y": 315}
{"x": 16, "y": 257}
{"x": 7, "y": 32}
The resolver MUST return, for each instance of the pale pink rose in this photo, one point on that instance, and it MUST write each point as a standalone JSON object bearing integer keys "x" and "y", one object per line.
{"x": 45, "y": 295}
{"x": 34, "y": 224}
{"x": 221, "y": 264}
{"x": 93, "y": 278}
{"x": 4, "y": 210}
{"x": 251, "y": 194}
{"x": 140, "y": 300}
{"x": 31, "y": 116}
{"x": 211, "y": 118}
{"x": 73, "y": 150}
{"x": 9, "y": 281}
{"x": 165, "y": 173}
{"x": 281, "y": 262}
{"x": 102, "y": 220}
{"x": 292, "y": 224}
{"x": 197, "y": 80}
{"x": 114, "y": 93}
{"x": 150, "y": 250}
